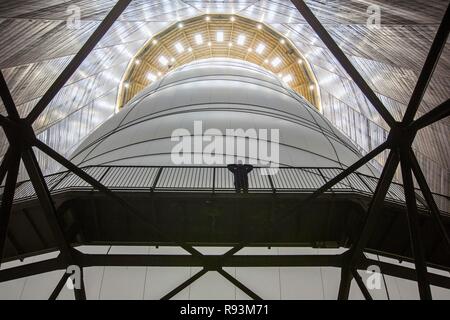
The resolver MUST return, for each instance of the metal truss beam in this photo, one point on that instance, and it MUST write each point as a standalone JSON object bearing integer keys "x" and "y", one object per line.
{"x": 184, "y": 285}
{"x": 8, "y": 196}
{"x": 428, "y": 69}
{"x": 343, "y": 60}
{"x": 88, "y": 260}
{"x": 213, "y": 261}
{"x": 378, "y": 198}
{"x": 239, "y": 284}
{"x": 5, "y": 165}
{"x": 358, "y": 246}
{"x": 414, "y": 228}
{"x": 7, "y": 99}
{"x": 361, "y": 285}
{"x": 62, "y": 282}
{"x": 440, "y": 112}
{"x": 47, "y": 204}
{"x": 101, "y": 30}
{"x": 435, "y": 213}
{"x": 100, "y": 187}
{"x": 32, "y": 269}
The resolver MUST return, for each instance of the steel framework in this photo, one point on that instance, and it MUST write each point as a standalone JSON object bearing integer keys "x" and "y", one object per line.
{"x": 22, "y": 139}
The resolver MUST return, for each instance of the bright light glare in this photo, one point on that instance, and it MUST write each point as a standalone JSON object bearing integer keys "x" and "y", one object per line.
{"x": 219, "y": 36}
{"x": 260, "y": 48}
{"x": 241, "y": 39}
{"x": 179, "y": 47}
{"x": 198, "y": 39}
{"x": 163, "y": 60}
{"x": 287, "y": 78}
{"x": 276, "y": 62}
{"x": 151, "y": 76}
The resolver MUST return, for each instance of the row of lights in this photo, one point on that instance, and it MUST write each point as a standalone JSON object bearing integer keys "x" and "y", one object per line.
{"x": 241, "y": 40}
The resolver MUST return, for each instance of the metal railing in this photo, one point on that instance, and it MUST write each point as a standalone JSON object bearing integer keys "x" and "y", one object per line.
{"x": 216, "y": 179}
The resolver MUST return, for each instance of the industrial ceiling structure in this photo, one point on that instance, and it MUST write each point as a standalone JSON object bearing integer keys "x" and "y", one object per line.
{"x": 385, "y": 86}
{"x": 220, "y": 36}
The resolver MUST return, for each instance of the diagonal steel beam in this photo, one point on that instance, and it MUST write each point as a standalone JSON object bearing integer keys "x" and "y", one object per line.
{"x": 8, "y": 197}
{"x": 435, "y": 212}
{"x": 343, "y": 60}
{"x": 361, "y": 285}
{"x": 38, "y": 182}
{"x": 440, "y": 112}
{"x": 62, "y": 282}
{"x": 428, "y": 69}
{"x": 184, "y": 285}
{"x": 345, "y": 283}
{"x": 414, "y": 228}
{"x": 7, "y": 99}
{"x": 101, "y": 30}
{"x": 100, "y": 187}
{"x": 381, "y": 190}
{"x": 239, "y": 284}
{"x": 5, "y": 165}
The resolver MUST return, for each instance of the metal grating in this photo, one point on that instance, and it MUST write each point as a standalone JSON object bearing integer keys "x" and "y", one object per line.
{"x": 220, "y": 179}
{"x": 297, "y": 178}
{"x": 330, "y": 173}
{"x": 130, "y": 177}
{"x": 258, "y": 180}
{"x": 186, "y": 178}
{"x": 224, "y": 179}
{"x": 26, "y": 189}
{"x": 72, "y": 181}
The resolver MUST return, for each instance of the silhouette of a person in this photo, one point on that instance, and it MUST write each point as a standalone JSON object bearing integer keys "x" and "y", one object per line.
{"x": 240, "y": 172}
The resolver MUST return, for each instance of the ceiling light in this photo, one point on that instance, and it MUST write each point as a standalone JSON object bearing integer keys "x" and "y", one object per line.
{"x": 159, "y": 73}
{"x": 241, "y": 39}
{"x": 260, "y": 48}
{"x": 208, "y": 18}
{"x": 127, "y": 85}
{"x": 137, "y": 62}
{"x": 163, "y": 60}
{"x": 190, "y": 49}
{"x": 232, "y": 19}
{"x": 219, "y": 36}
{"x": 287, "y": 78}
{"x": 311, "y": 87}
{"x": 155, "y": 41}
{"x": 151, "y": 76}
{"x": 259, "y": 26}
{"x": 266, "y": 61}
{"x": 209, "y": 44}
{"x": 172, "y": 59}
{"x": 249, "y": 49}
{"x": 300, "y": 61}
{"x": 230, "y": 44}
{"x": 282, "y": 41}
{"x": 198, "y": 39}
{"x": 276, "y": 62}
{"x": 180, "y": 25}
{"x": 179, "y": 47}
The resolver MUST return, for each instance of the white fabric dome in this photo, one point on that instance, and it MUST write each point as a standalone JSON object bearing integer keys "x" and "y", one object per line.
{"x": 222, "y": 94}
